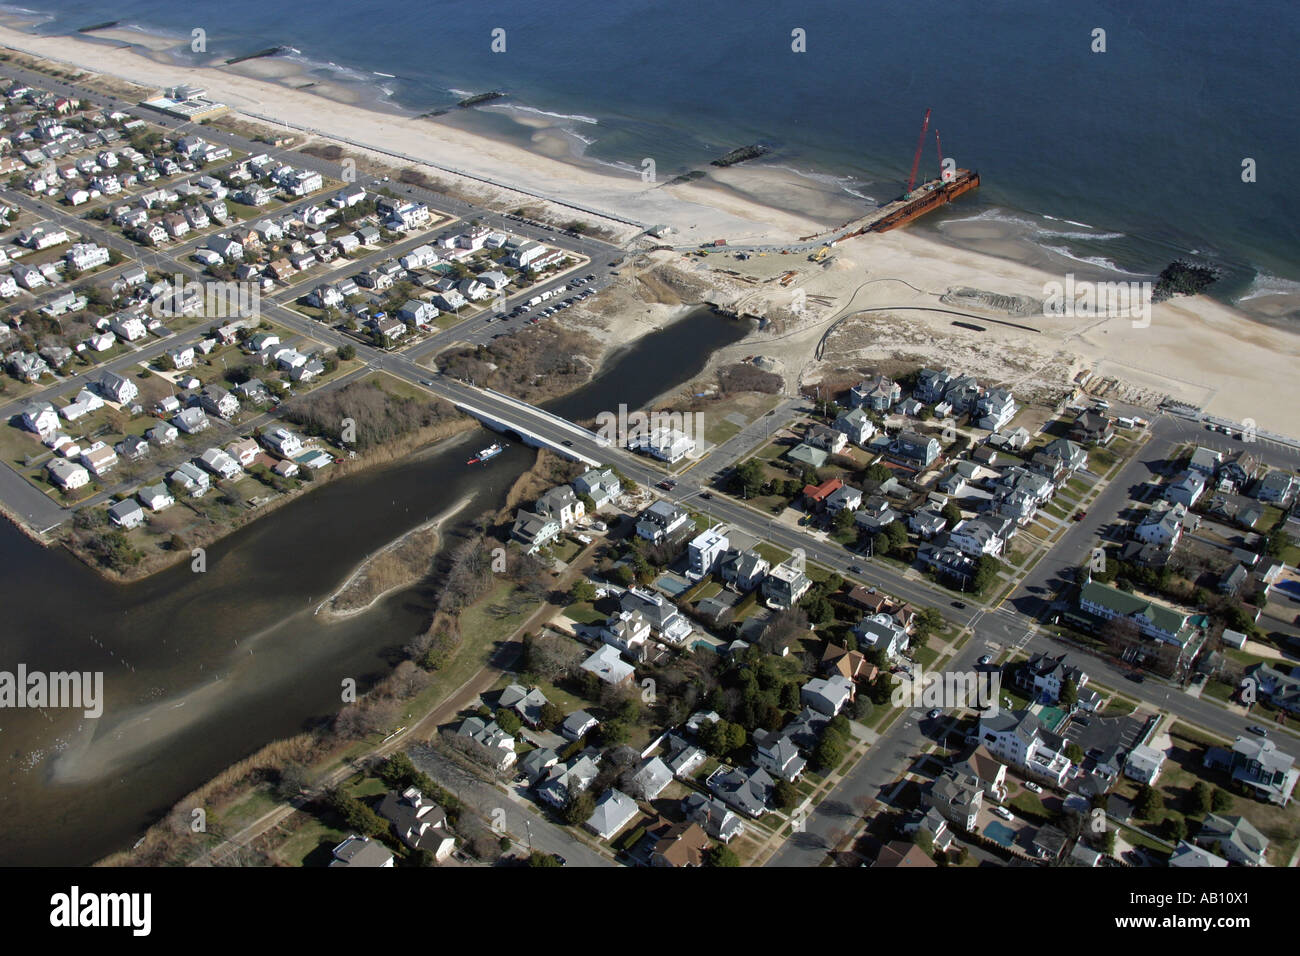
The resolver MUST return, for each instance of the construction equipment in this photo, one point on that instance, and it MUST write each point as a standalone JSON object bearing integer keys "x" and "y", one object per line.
{"x": 820, "y": 254}
{"x": 916, "y": 160}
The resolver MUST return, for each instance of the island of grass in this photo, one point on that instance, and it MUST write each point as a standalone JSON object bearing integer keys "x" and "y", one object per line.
{"x": 740, "y": 155}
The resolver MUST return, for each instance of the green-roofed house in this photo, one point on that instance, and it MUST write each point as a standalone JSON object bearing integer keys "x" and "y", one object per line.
{"x": 1154, "y": 619}
{"x": 806, "y": 454}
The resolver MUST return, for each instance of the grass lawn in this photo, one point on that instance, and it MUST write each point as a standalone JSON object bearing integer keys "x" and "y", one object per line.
{"x": 310, "y": 842}
{"x": 583, "y": 613}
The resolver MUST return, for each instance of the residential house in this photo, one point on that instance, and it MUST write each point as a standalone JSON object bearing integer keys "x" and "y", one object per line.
{"x": 679, "y": 845}
{"x": 418, "y": 822}
{"x": 661, "y": 521}
{"x": 1186, "y": 489}
{"x": 614, "y": 810}
{"x": 601, "y": 485}
{"x": 827, "y": 695}
{"x": 705, "y": 551}
{"x": 498, "y": 745}
{"x": 745, "y": 790}
{"x": 856, "y": 425}
{"x": 527, "y": 703}
{"x": 361, "y": 852}
{"x": 126, "y": 514}
{"x": 914, "y": 450}
{"x": 882, "y": 633}
{"x": 785, "y": 585}
{"x": 879, "y": 393}
{"x": 1256, "y": 763}
{"x": 1235, "y": 838}
{"x": 606, "y": 664}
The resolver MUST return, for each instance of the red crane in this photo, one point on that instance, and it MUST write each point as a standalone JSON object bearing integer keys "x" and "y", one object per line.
{"x": 916, "y": 160}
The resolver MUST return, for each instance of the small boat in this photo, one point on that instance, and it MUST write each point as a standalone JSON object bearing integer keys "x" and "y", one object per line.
{"x": 487, "y": 454}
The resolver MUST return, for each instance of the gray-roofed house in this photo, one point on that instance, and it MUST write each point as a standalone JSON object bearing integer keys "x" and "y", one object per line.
{"x": 827, "y": 695}
{"x": 526, "y": 703}
{"x": 361, "y": 852}
{"x": 651, "y": 780}
{"x": 577, "y": 724}
{"x": 746, "y": 790}
{"x": 418, "y": 822}
{"x": 614, "y": 810}
{"x": 718, "y": 820}
{"x": 1234, "y": 838}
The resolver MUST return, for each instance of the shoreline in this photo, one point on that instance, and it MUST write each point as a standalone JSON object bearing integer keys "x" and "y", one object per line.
{"x": 1194, "y": 349}
{"x": 331, "y": 616}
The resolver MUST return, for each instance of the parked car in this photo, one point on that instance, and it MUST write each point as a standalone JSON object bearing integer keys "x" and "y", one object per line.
{"x": 1033, "y": 787}
{"x": 935, "y": 714}
{"x": 1257, "y": 730}
{"x": 986, "y": 659}
{"x": 1003, "y": 812}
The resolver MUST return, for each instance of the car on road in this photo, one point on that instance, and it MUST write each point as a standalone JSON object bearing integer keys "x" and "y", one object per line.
{"x": 1033, "y": 787}
{"x": 986, "y": 660}
{"x": 1135, "y": 677}
{"x": 935, "y": 714}
{"x": 426, "y": 383}
{"x": 1079, "y": 516}
{"x": 667, "y": 484}
{"x": 706, "y": 495}
{"x": 855, "y": 569}
{"x": 960, "y": 605}
{"x": 566, "y": 443}
{"x": 1257, "y": 730}
{"x": 1003, "y": 812}
{"x": 560, "y": 860}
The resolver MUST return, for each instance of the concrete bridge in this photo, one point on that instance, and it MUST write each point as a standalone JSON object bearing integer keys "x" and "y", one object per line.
{"x": 534, "y": 426}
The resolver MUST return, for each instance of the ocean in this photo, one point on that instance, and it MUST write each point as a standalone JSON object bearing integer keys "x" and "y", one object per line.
{"x": 1119, "y": 160}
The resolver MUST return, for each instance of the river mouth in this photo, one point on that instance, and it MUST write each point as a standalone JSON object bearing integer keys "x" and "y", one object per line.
{"x": 200, "y": 670}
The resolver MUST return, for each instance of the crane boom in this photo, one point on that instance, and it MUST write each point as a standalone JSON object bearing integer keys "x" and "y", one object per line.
{"x": 916, "y": 160}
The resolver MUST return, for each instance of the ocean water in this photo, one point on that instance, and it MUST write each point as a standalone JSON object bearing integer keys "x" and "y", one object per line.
{"x": 1121, "y": 160}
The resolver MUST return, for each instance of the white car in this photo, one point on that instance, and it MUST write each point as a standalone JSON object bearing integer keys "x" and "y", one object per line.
{"x": 1033, "y": 787}
{"x": 1003, "y": 812}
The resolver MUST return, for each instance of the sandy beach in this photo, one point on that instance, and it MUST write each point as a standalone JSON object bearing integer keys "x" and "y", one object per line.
{"x": 1197, "y": 350}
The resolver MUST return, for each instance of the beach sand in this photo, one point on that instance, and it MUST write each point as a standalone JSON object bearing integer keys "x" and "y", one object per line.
{"x": 1197, "y": 350}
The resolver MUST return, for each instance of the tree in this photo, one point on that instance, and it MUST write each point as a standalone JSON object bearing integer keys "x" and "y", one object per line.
{"x": 721, "y": 855}
{"x": 551, "y": 716}
{"x": 508, "y": 721}
{"x": 863, "y": 708}
{"x": 582, "y": 590}
{"x": 1069, "y": 692}
{"x": 1176, "y": 828}
{"x": 579, "y": 809}
{"x": 829, "y": 752}
{"x": 785, "y": 795}
{"x": 347, "y": 353}
{"x": 542, "y": 859}
{"x": 1149, "y": 802}
{"x": 748, "y": 478}
{"x": 1221, "y": 800}
{"x": 1074, "y": 752}
{"x": 896, "y": 535}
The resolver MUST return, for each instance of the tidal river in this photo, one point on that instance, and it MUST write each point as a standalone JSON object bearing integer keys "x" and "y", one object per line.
{"x": 201, "y": 670}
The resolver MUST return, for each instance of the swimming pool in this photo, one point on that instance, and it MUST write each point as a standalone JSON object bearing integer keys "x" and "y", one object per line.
{"x": 1000, "y": 833}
